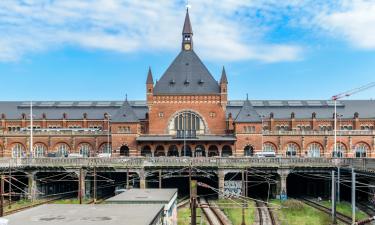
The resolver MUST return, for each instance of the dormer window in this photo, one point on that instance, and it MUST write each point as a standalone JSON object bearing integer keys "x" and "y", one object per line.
{"x": 187, "y": 82}
{"x": 200, "y": 82}
{"x": 172, "y": 82}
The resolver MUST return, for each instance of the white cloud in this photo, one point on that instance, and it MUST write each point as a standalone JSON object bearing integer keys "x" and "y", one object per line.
{"x": 354, "y": 21}
{"x": 221, "y": 32}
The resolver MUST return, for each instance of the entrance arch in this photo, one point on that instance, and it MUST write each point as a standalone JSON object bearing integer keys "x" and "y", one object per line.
{"x": 124, "y": 151}
{"x": 173, "y": 151}
{"x": 227, "y": 151}
{"x": 146, "y": 151}
{"x": 213, "y": 151}
{"x": 188, "y": 151}
{"x": 159, "y": 151}
{"x": 200, "y": 151}
{"x": 248, "y": 150}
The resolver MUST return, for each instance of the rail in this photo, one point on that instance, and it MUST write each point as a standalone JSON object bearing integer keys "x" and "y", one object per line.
{"x": 170, "y": 162}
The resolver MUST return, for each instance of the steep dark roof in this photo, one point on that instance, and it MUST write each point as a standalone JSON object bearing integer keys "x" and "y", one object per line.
{"x": 150, "y": 79}
{"x": 223, "y": 79}
{"x": 187, "y": 75}
{"x": 125, "y": 114}
{"x": 187, "y": 24}
{"x": 248, "y": 113}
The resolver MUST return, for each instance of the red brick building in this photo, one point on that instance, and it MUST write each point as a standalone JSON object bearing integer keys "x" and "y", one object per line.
{"x": 187, "y": 112}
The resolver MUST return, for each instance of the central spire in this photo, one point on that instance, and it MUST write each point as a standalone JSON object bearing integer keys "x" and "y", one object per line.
{"x": 187, "y": 34}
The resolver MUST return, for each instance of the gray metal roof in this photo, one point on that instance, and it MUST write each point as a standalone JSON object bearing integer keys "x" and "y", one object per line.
{"x": 125, "y": 114}
{"x": 140, "y": 196}
{"x": 281, "y": 109}
{"x": 247, "y": 113}
{"x": 73, "y": 214}
{"x": 187, "y": 75}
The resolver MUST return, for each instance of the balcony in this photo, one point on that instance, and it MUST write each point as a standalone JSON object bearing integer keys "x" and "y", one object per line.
{"x": 181, "y": 134}
{"x": 55, "y": 132}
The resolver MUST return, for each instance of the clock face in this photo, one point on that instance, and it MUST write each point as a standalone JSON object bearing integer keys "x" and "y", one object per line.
{"x": 187, "y": 46}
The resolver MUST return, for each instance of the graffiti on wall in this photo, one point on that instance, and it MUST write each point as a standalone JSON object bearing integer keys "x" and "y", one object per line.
{"x": 232, "y": 188}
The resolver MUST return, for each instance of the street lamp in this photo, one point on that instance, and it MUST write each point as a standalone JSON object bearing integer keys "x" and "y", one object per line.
{"x": 109, "y": 149}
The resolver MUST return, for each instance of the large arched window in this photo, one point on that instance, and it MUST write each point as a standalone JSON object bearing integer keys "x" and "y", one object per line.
{"x": 291, "y": 149}
{"x": 186, "y": 124}
{"x": 340, "y": 150}
{"x": 313, "y": 150}
{"x": 39, "y": 150}
{"x": 62, "y": 150}
{"x": 85, "y": 149}
{"x": 249, "y": 150}
{"x": 361, "y": 150}
{"x": 268, "y": 147}
{"x": 18, "y": 151}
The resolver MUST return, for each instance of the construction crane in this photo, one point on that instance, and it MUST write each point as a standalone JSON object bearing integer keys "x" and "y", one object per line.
{"x": 344, "y": 95}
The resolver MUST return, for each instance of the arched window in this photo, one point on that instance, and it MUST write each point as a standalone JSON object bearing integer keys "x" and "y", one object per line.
{"x": 106, "y": 148}
{"x": 200, "y": 151}
{"x": 62, "y": 150}
{"x": 39, "y": 150}
{"x": 124, "y": 151}
{"x": 18, "y": 151}
{"x": 159, "y": 151}
{"x": 249, "y": 150}
{"x": 268, "y": 147}
{"x": 226, "y": 151}
{"x": 361, "y": 150}
{"x": 291, "y": 149}
{"x": 85, "y": 149}
{"x": 173, "y": 150}
{"x": 340, "y": 150}
{"x": 186, "y": 124}
{"x": 213, "y": 151}
{"x": 146, "y": 151}
{"x": 313, "y": 150}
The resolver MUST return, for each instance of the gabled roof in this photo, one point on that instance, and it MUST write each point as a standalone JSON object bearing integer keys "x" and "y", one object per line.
{"x": 187, "y": 24}
{"x": 248, "y": 113}
{"x": 187, "y": 75}
{"x": 125, "y": 114}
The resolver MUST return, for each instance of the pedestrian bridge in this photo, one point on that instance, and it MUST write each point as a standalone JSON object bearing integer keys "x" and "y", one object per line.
{"x": 367, "y": 164}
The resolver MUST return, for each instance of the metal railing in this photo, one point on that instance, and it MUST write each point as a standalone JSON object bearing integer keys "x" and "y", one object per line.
{"x": 55, "y": 132}
{"x": 140, "y": 162}
{"x": 318, "y": 132}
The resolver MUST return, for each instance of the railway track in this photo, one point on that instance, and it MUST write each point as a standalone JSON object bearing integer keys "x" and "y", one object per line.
{"x": 6, "y": 213}
{"x": 365, "y": 208}
{"x": 340, "y": 217}
{"x": 265, "y": 214}
{"x": 212, "y": 215}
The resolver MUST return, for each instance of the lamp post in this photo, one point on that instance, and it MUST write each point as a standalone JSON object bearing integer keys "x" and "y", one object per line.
{"x": 109, "y": 149}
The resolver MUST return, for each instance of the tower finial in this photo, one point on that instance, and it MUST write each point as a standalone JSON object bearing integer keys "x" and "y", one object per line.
{"x": 223, "y": 79}
{"x": 247, "y": 96}
{"x": 126, "y": 97}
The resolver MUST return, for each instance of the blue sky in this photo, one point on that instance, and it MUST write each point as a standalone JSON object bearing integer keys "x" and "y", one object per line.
{"x": 101, "y": 49}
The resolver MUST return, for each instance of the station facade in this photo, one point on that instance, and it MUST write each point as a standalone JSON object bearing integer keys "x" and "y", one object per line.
{"x": 187, "y": 113}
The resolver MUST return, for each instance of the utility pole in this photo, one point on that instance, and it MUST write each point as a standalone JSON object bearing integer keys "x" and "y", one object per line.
{"x": 243, "y": 200}
{"x": 2, "y": 196}
{"x": 193, "y": 202}
{"x": 333, "y": 196}
{"x": 353, "y": 196}
{"x": 95, "y": 188}
{"x": 338, "y": 184}
{"x": 127, "y": 178}
{"x": 31, "y": 129}
{"x": 80, "y": 185}
{"x": 160, "y": 184}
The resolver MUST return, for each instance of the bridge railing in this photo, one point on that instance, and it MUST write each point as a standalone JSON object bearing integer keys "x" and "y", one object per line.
{"x": 140, "y": 162}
